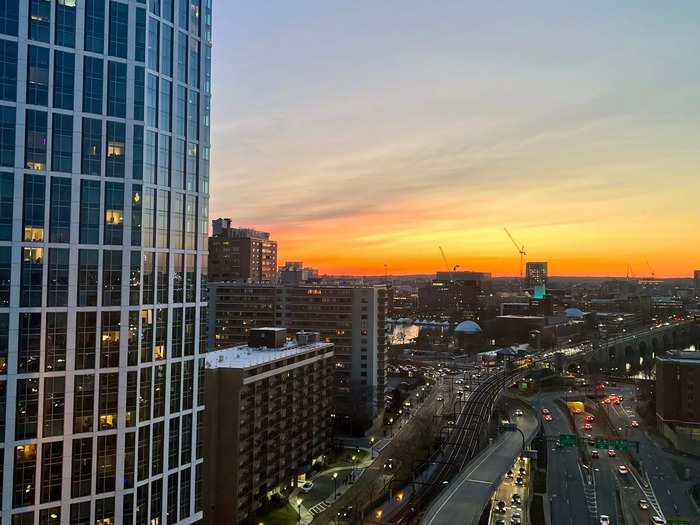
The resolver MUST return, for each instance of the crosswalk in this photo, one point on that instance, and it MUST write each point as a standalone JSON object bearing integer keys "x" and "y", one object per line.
{"x": 319, "y": 508}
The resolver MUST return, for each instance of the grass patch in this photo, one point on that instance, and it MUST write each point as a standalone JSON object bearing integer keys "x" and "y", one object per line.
{"x": 285, "y": 515}
{"x": 343, "y": 458}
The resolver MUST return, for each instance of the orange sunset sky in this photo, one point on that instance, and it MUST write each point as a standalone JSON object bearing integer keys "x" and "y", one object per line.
{"x": 367, "y": 135}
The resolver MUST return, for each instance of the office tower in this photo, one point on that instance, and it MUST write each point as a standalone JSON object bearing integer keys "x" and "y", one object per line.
{"x": 241, "y": 254}
{"x": 267, "y": 420}
{"x": 535, "y": 274}
{"x": 697, "y": 282}
{"x": 104, "y": 169}
{"x": 353, "y": 318}
{"x": 456, "y": 295}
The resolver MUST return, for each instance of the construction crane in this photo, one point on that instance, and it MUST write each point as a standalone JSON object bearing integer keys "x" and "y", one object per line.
{"x": 653, "y": 274}
{"x": 444, "y": 258}
{"x": 521, "y": 251}
{"x": 630, "y": 272}
{"x": 455, "y": 267}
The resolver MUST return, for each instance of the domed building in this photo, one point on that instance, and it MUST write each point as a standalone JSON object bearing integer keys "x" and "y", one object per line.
{"x": 573, "y": 313}
{"x": 469, "y": 337}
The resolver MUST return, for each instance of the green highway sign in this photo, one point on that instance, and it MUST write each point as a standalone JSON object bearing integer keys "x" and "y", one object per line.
{"x": 602, "y": 443}
{"x": 620, "y": 444}
{"x": 677, "y": 521}
{"x": 567, "y": 440}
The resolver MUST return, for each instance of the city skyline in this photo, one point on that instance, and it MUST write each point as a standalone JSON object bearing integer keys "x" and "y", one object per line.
{"x": 572, "y": 126}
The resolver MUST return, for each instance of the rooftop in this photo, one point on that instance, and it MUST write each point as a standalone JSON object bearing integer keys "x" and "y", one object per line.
{"x": 246, "y": 357}
{"x": 689, "y": 355}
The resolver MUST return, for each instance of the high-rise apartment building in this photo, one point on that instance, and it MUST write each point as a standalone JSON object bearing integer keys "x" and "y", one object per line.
{"x": 104, "y": 188}
{"x": 267, "y": 420}
{"x": 245, "y": 254}
{"x": 535, "y": 274}
{"x": 353, "y": 318}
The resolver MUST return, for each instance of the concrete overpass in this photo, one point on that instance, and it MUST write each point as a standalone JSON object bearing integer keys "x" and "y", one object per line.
{"x": 636, "y": 350}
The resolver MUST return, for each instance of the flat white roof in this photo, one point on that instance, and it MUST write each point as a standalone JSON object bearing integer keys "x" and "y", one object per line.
{"x": 246, "y": 357}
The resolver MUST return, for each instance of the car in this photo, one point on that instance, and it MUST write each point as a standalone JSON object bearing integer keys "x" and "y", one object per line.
{"x": 509, "y": 474}
{"x": 589, "y": 417}
{"x": 518, "y": 412}
{"x": 612, "y": 453}
{"x": 460, "y": 393}
{"x": 604, "y": 519}
{"x": 545, "y": 412}
{"x": 515, "y": 519}
{"x": 655, "y": 520}
{"x": 522, "y": 471}
{"x": 617, "y": 401}
{"x": 440, "y": 398}
{"x": 345, "y": 513}
{"x": 306, "y": 487}
{"x": 515, "y": 498}
{"x": 635, "y": 424}
{"x": 622, "y": 469}
{"x": 587, "y": 426}
{"x": 620, "y": 397}
{"x": 595, "y": 454}
{"x": 577, "y": 410}
{"x": 643, "y": 504}
{"x": 501, "y": 506}
{"x": 607, "y": 400}
{"x": 519, "y": 481}
{"x": 557, "y": 444}
{"x": 450, "y": 423}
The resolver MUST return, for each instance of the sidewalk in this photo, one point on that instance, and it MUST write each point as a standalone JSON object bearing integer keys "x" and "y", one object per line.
{"x": 308, "y": 514}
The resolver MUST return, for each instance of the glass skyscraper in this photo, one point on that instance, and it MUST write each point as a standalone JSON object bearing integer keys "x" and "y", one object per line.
{"x": 104, "y": 185}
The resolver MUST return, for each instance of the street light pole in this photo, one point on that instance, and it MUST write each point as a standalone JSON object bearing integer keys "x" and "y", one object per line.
{"x": 335, "y": 489}
{"x": 299, "y": 509}
{"x": 371, "y": 450}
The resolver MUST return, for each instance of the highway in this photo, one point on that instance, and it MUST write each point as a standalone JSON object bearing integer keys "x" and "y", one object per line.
{"x": 660, "y": 465}
{"x": 464, "y": 498}
{"x": 565, "y": 485}
{"x": 509, "y": 511}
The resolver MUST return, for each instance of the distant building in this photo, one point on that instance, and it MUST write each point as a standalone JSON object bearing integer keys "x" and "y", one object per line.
{"x": 295, "y": 273}
{"x": 353, "y": 318}
{"x": 456, "y": 295}
{"x": 267, "y": 420}
{"x": 678, "y": 398}
{"x": 535, "y": 274}
{"x": 241, "y": 254}
{"x": 697, "y": 282}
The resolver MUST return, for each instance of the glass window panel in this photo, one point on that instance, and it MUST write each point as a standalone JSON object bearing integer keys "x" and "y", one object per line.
{"x": 60, "y": 210}
{"x": 114, "y": 214}
{"x": 39, "y": 20}
{"x": 140, "y": 31}
{"x": 8, "y": 69}
{"x": 136, "y": 204}
{"x": 63, "y": 80}
{"x": 54, "y": 405}
{"x": 35, "y": 140}
{"x": 27, "y": 413}
{"x": 57, "y": 284}
{"x": 193, "y": 63}
{"x": 166, "y": 50}
{"x": 83, "y": 405}
{"x": 153, "y": 42}
{"x": 38, "y": 75}
{"x": 56, "y": 342}
{"x": 112, "y": 280}
{"x": 62, "y": 143}
{"x": 5, "y": 280}
{"x": 32, "y": 276}
{"x": 115, "y": 150}
{"x": 152, "y": 100}
{"x": 164, "y": 105}
{"x": 7, "y": 136}
{"x": 87, "y": 277}
{"x": 94, "y": 25}
{"x": 93, "y": 80}
{"x": 34, "y": 204}
{"x": 65, "y": 23}
{"x": 51, "y": 471}
{"x": 139, "y": 89}
{"x": 89, "y": 212}
{"x": 109, "y": 397}
{"x": 24, "y": 473}
{"x": 9, "y": 17}
{"x": 91, "y": 158}
{"x": 118, "y": 29}
{"x": 137, "y": 163}
{"x": 181, "y": 67}
{"x": 116, "y": 89}
{"x": 29, "y": 348}
{"x": 81, "y": 475}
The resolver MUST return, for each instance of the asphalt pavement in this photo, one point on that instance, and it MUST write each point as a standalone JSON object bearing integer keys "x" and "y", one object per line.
{"x": 565, "y": 484}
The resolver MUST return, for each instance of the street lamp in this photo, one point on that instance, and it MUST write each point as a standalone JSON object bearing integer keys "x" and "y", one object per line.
{"x": 299, "y": 509}
{"x": 353, "y": 467}
{"x": 335, "y": 490}
{"x": 391, "y": 423}
{"x": 371, "y": 442}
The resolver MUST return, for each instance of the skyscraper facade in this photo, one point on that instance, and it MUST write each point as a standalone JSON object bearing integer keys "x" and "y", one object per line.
{"x": 535, "y": 274}
{"x": 104, "y": 184}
